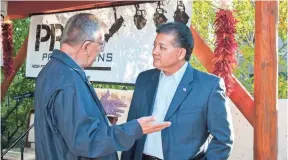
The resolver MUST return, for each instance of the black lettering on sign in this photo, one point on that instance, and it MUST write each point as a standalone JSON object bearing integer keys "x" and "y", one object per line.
{"x": 105, "y": 57}
{"x": 38, "y": 34}
{"x": 109, "y": 57}
{"x": 102, "y": 57}
{"x": 35, "y": 66}
{"x": 52, "y": 41}
{"x": 50, "y": 34}
{"x": 59, "y": 26}
{"x": 46, "y": 56}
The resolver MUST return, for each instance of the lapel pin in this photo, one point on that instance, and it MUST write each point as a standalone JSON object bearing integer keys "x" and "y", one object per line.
{"x": 184, "y": 89}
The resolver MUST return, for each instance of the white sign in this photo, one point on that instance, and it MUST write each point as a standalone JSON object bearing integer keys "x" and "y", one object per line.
{"x": 128, "y": 50}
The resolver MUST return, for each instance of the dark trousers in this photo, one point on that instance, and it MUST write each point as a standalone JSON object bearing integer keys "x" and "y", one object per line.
{"x": 147, "y": 157}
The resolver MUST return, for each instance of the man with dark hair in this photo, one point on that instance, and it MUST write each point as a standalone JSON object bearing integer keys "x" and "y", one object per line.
{"x": 70, "y": 122}
{"x": 194, "y": 102}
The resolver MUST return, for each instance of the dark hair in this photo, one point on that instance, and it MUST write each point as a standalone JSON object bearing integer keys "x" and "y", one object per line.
{"x": 182, "y": 33}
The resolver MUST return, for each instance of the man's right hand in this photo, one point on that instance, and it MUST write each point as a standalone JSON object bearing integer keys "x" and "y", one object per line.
{"x": 147, "y": 125}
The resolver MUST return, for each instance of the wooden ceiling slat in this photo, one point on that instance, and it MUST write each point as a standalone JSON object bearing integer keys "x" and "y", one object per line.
{"x": 22, "y": 9}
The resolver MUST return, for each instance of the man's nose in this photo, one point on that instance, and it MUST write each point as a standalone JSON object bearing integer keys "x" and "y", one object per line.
{"x": 155, "y": 51}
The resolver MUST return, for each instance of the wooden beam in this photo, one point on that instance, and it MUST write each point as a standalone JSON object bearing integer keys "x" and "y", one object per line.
{"x": 18, "y": 61}
{"x": 265, "y": 80}
{"x": 240, "y": 96}
{"x": 22, "y": 9}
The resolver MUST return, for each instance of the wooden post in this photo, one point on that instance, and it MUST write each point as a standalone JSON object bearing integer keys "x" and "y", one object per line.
{"x": 17, "y": 63}
{"x": 265, "y": 82}
{"x": 240, "y": 96}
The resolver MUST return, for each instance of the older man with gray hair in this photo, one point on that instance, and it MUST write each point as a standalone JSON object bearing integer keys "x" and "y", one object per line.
{"x": 70, "y": 121}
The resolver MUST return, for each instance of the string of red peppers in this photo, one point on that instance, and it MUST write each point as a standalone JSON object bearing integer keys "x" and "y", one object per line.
{"x": 7, "y": 44}
{"x": 225, "y": 52}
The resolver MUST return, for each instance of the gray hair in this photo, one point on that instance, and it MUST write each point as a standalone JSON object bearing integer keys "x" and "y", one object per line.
{"x": 80, "y": 28}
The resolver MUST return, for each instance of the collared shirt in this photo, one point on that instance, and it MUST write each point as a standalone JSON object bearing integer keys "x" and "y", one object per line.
{"x": 165, "y": 93}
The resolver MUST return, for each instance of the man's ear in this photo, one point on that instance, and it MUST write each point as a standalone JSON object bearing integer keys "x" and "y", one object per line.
{"x": 181, "y": 54}
{"x": 85, "y": 46}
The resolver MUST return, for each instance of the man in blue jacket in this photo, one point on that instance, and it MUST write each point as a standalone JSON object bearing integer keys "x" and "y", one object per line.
{"x": 194, "y": 102}
{"x": 70, "y": 122}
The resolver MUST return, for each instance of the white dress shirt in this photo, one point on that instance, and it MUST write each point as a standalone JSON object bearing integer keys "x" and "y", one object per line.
{"x": 166, "y": 89}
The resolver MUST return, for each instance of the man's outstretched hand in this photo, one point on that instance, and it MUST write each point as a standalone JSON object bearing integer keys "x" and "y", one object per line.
{"x": 112, "y": 107}
{"x": 148, "y": 126}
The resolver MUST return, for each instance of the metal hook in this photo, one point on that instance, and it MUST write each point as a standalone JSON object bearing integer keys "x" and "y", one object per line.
{"x": 137, "y": 6}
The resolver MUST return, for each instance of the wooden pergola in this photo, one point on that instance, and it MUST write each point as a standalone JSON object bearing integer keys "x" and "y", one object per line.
{"x": 260, "y": 112}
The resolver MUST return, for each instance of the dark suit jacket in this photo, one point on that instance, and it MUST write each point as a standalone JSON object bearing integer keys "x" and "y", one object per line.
{"x": 199, "y": 108}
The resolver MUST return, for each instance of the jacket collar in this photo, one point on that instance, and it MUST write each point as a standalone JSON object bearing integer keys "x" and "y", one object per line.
{"x": 67, "y": 60}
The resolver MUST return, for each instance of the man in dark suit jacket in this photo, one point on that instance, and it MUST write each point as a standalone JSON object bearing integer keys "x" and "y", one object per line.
{"x": 194, "y": 102}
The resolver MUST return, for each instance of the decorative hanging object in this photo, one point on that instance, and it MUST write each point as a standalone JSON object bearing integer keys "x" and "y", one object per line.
{"x": 159, "y": 16}
{"x": 180, "y": 15}
{"x": 4, "y": 6}
{"x": 115, "y": 27}
{"x": 225, "y": 52}
{"x": 7, "y": 46}
{"x": 139, "y": 17}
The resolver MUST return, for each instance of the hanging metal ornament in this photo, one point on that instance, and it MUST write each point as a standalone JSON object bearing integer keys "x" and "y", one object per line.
{"x": 159, "y": 16}
{"x": 115, "y": 27}
{"x": 139, "y": 18}
{"x": 180, "y": 15}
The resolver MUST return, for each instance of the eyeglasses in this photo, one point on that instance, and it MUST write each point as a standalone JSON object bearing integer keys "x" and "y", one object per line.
{"x": 101, "y": 43}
